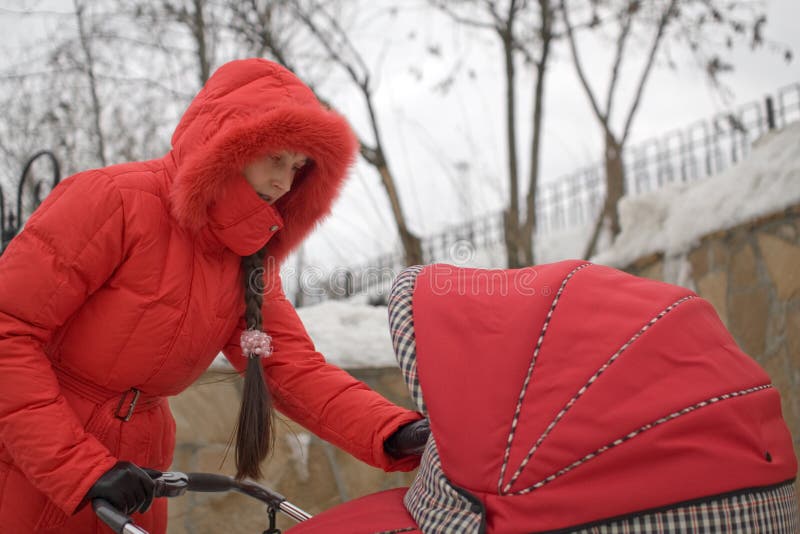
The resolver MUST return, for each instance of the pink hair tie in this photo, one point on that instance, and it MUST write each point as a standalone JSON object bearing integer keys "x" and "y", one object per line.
{"x": 256, "y": 343}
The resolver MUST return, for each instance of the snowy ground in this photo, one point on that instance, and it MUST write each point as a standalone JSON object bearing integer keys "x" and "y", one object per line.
{"x": 352, "y": 333}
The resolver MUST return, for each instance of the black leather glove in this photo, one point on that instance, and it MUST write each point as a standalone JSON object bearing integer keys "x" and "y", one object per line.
{"x": 126, "y": 486}
{"x": 408, "y": 439}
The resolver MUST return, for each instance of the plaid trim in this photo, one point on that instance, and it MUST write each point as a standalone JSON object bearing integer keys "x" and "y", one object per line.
{"x": 518, "y": 410}
{"x": 769, "y": 511}
{"x": 401, "y": 324}
{"x": 435, "y": 504}
{"x": 396, "y": 531}
{"x": 640, "y": 430}
{"x": 585, "y": 387}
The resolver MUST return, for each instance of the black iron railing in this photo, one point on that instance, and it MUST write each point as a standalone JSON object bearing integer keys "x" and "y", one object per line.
{"x": 30, "y": 193}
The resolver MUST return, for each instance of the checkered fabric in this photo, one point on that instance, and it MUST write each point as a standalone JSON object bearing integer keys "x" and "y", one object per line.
{"x": 432, "y": 501}
{"x": 436, "y": 505}
{"x": 770, "y": 511}
{"x": 401, "y": 323}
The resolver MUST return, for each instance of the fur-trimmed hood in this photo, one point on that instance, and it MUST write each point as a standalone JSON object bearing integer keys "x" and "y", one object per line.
{"x": 247, "y": 109}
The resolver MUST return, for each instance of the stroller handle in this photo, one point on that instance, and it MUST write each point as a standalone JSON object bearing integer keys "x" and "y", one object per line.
{"x": 209, "y": 482}
{"x": 116, "y": 520}
{"x": 175, "y": 483}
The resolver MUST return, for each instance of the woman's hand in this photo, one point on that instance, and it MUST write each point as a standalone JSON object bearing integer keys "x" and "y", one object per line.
{"x": 408, "y": 439}
{"x": 125, "y": 486}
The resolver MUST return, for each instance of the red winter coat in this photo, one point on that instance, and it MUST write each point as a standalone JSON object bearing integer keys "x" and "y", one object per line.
{"x": 129, "y": 277}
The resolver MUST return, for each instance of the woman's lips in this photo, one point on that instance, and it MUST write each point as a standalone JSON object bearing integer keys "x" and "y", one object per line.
{"x": 266, "y": 198}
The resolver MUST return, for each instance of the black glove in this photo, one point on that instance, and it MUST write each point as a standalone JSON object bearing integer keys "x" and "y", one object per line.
{"x": 408, "y": 439}
{"x": 125, "y": 486}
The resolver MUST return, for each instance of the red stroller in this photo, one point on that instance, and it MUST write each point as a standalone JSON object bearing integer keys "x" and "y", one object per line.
{"x": 573, "y": 397}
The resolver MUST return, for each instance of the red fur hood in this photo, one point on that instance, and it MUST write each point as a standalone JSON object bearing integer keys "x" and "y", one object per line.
{"x": 247, "y": 109}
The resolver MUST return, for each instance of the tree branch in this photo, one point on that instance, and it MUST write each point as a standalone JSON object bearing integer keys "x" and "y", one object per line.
{"x": 662, "y": 25}
{"x": 334, "y": 54}
{"x": 625, "y": 31}
{"x": 445, "y": 8}
{"x": 96, "y": 108}
{"x": 579, "y": 68}
{"x": 343, "y": 36}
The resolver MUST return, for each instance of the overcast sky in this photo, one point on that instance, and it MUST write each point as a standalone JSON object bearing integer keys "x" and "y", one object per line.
{"x": 430, "y": 131}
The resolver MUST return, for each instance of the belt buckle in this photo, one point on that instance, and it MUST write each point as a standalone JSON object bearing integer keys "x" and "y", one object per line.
{"x": 131, "y": 406}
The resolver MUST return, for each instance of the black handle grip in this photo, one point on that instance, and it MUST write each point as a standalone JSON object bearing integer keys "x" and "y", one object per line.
{"x": 208, "y": 482}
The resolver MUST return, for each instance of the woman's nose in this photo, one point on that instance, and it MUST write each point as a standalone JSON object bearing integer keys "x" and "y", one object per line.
{"x": 283, "y": 182}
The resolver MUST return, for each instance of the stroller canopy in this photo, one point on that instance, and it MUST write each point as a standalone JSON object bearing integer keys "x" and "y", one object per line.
{"x": 573, "y": 397}
{"x": 565, "y": 394}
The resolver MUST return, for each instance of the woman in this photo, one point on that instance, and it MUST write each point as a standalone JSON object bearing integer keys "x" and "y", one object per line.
{"x": 127, "y": 282}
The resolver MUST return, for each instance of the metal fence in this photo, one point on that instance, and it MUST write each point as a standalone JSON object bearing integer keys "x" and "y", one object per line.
{"x": 703, "y": 149}
{"x": 31, "y": 191}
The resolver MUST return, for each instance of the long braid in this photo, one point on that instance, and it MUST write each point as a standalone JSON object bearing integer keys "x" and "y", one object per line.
{"x": 254, "y": 438}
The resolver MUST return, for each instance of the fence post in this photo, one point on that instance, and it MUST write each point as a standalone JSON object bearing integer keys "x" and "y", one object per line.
{"x": 770, "y": 113}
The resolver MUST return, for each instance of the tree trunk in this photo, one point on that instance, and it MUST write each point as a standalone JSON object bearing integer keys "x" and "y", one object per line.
{"x": 511, "y": 215}
{"x": 615, "y": 182}
{"x": 96, "y": 108}
{"x": 299, "y": 294}
{"x": 412, "y": 246}
{"x": 615, "y": 189}
{"x": 199, "y": 25}
{"x": 541, "y": 69}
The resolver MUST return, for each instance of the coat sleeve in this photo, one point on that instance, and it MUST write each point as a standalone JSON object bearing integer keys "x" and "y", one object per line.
{"x": 320, "y": 396}
{"x": 68, "y": 248}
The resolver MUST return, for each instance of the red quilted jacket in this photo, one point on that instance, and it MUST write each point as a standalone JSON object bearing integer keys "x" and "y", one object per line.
{"x": 129, "y": 277}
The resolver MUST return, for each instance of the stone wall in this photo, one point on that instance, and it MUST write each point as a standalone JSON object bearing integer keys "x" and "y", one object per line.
{"x": 751, "y": 274}
{"x": 309, "y": 472}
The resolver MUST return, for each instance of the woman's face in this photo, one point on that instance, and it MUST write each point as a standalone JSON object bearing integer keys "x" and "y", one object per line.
{"x": 272, "y": 175}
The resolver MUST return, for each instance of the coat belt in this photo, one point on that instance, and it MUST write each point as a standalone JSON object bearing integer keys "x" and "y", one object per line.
{"x": 112, "y": 405}
{"x": 129, "y": 402}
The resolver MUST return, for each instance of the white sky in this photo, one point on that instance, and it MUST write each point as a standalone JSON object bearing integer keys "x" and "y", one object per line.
{"x": 427, "y": 133}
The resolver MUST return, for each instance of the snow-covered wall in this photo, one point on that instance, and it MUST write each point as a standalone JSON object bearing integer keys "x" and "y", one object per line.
{"x": 672, "y": 220}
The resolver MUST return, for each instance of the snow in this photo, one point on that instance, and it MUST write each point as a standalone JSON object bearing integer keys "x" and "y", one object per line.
{"x": 298, "y": 453}
{"x": 350, "y": 333}
{"x": 672, "y": 220}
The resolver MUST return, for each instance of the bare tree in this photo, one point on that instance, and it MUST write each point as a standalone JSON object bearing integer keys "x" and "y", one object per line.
{"x": 196, "y": 18}
{"x": 546, "y": 34}
{"x": 82, "y": 91}
{"x": 89, "y": 69}
{"x": 523, "y": 28}
{"x": 690, "y": 23}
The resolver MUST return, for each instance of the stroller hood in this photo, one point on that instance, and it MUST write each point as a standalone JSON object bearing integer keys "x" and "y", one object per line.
{"x": 562, "y": 394}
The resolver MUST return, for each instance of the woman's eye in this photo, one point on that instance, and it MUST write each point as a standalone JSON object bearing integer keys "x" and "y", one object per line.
{"x": 276, "y": 158}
